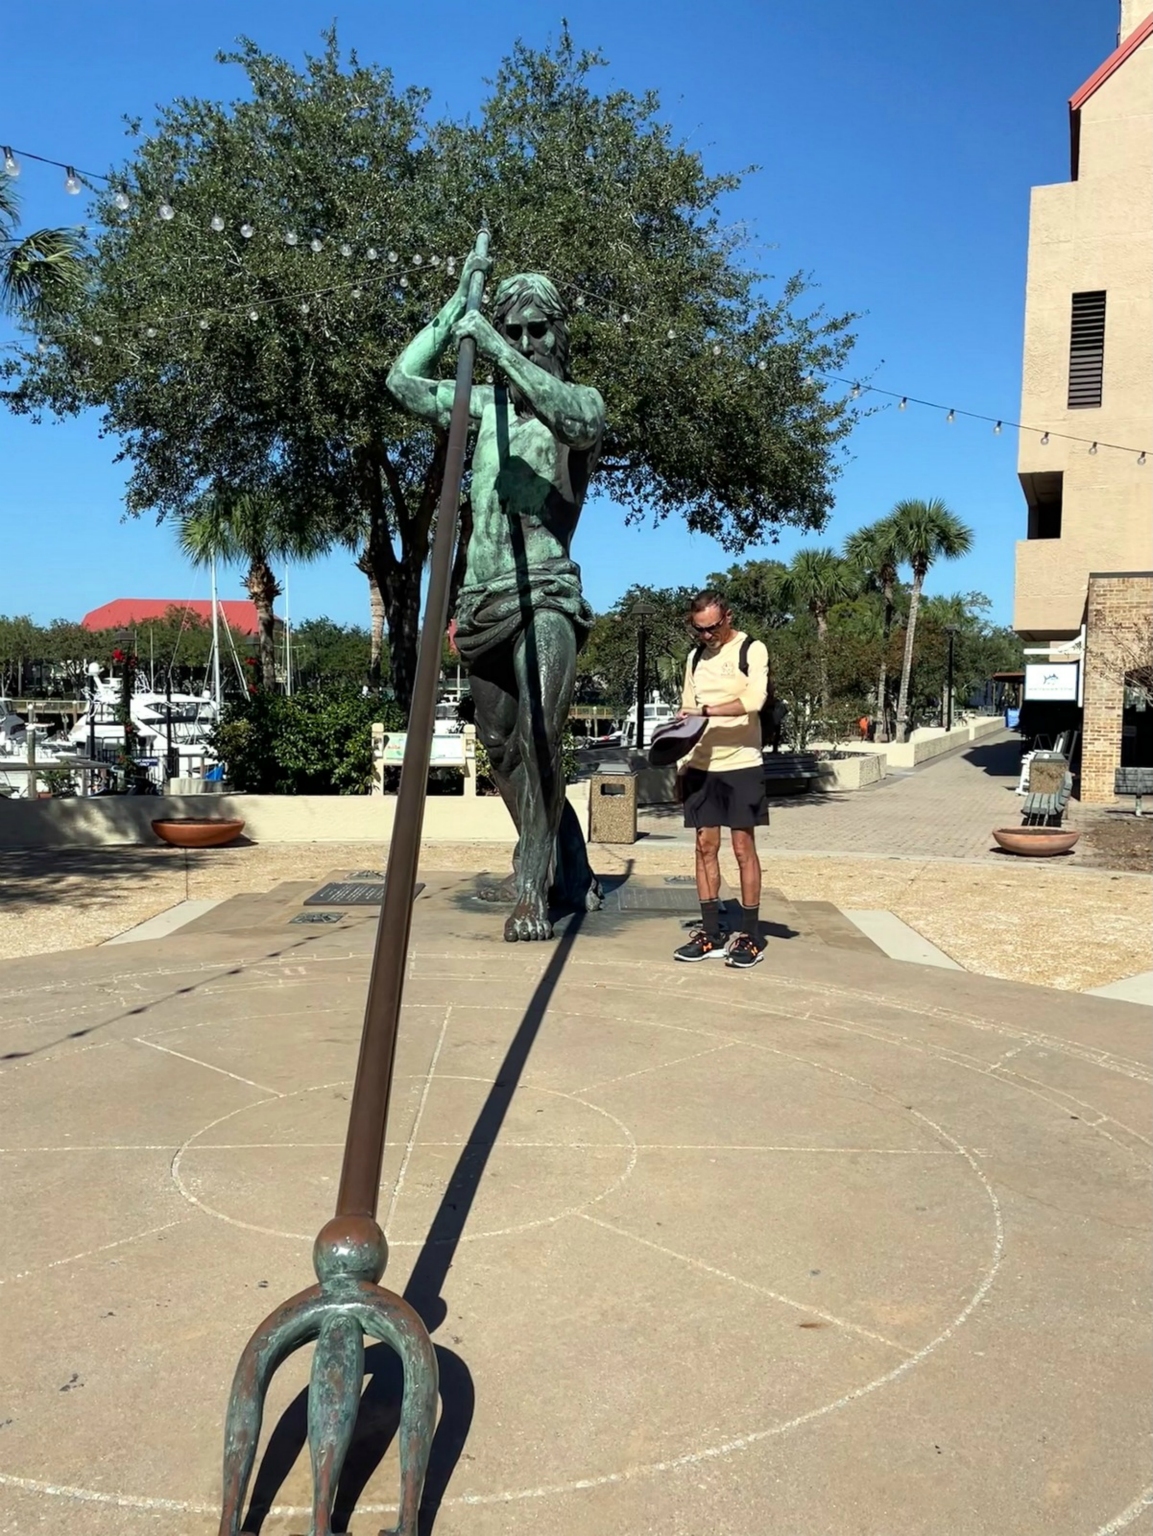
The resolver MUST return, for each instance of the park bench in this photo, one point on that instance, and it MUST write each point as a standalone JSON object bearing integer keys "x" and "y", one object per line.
{"x": 1135, "y": 782}
{"x": 799, "y": 768}
{"x": 1049, "y": 788}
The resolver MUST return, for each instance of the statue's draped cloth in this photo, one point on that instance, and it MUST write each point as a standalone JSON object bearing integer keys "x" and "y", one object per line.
{"x": 489, "y": 613}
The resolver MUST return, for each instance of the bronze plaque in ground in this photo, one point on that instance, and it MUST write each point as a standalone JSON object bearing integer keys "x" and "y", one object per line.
{"x": 658, "y": 898}
{"x": 351, "y": 893}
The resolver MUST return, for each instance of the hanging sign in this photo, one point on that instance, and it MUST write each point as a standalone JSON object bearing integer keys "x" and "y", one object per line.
{"x": 1053, "y": 681}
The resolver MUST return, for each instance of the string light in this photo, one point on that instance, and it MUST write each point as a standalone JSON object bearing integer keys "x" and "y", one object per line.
{"x": 122, "y": 201}
{"x": 1044, "y": 439}
{"x": 855, "y": 392}
{"x": 952, "y": 416}
{"x": 372, "y": 253}
{"x": 417, "y": 259}
{"x": 1092, "y": 447}
{"x": 346, "y": 249}
{"x": 72, "y": 183}
{"x": 997, "y": 429}
{"x": 11, "y": 164}
{"x": 167, "y": 212}
{"x": 216, "y": 223}
{"x": 316, "y": 246}
{"x": 246, "y": 231}
{"x": 904, "y": 405}
{"x": 291, "y": 237}
{"x": 1141, "y": 458}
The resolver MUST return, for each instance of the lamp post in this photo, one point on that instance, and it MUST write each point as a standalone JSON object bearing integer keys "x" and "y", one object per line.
{"x": 951, "y": 631}
{"x": 642, "y": 610}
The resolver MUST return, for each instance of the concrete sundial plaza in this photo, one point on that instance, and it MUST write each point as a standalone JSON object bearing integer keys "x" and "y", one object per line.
{"x": 832, "y": 1247}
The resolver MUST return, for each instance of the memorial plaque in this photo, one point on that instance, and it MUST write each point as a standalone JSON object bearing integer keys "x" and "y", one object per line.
{"x": 641, "y": 898}
{"x": 317, "y": 917}
{"x": 367, "y": 874}
{"x": 351, "y": 893}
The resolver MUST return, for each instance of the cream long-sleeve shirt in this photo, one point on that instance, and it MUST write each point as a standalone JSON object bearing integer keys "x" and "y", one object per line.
{"x": 729, "y": 741}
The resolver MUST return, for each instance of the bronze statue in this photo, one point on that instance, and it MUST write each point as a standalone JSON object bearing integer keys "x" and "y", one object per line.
{"x": 521, "y": 618}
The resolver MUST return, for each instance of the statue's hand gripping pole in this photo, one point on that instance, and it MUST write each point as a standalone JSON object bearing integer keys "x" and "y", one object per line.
{"x": 350, "y": 1252}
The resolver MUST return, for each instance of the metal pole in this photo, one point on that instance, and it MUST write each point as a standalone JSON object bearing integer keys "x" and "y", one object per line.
{"x": 350, "y": 1252}
{"x": 287, "y": 639}
{"x": 172, "y": 769}
{"x": 642, "y": 670}
{"x": 949, "y": 685}
{"x": 364, "y": 1147}
{"x": 215, "y": 643}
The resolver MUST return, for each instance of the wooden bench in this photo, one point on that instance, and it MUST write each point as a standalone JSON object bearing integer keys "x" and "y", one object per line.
{"x": 799, "y": 768}
{"x": 1050, "y": 785}
{"x": 1133, "y": 781}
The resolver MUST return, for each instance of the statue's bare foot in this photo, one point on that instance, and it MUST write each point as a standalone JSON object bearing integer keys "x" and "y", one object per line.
{"x": 528, "y": 921}
{"x": 503, "y": 890}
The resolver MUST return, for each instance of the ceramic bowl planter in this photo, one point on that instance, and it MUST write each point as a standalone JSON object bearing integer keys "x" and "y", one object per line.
{"x": 1035, "y": 842}
{"x": 198, "y": 831}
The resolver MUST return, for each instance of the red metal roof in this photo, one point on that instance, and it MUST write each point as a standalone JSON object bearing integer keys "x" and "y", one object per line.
{"x": 126, "y": 611}
{"x": 1097, "y": 79}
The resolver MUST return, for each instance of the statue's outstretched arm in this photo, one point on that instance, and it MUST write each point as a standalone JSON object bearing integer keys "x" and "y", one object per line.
{"x": 410, "y": 380}
{"x": 573, "y": 412}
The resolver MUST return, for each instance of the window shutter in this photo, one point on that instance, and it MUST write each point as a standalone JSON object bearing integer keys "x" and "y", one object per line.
{"x": 1086, "y": 349}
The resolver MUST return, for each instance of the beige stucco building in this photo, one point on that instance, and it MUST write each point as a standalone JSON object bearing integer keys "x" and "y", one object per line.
{"x": 1088, "y": 375}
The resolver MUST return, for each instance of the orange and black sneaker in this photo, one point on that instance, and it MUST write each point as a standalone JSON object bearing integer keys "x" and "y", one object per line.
{"x": 743, "y": 952}
{"x": 701, "y": 947}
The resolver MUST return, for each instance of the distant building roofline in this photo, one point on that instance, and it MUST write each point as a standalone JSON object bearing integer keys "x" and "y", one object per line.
{"x": 1097, "y": 79}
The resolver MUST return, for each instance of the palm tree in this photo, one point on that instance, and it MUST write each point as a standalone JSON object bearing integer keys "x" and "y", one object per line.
{"x": 40, "y": 274}
{"x": 816, "y": 579}
{"x": 876, "y": 550}
{"x": 927, "y": 531}
{"x": 250, "y": 528}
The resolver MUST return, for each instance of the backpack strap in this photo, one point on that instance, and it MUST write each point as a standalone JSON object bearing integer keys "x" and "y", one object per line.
{"x": 698, "y": 652}
{"x": 743, "y": 657}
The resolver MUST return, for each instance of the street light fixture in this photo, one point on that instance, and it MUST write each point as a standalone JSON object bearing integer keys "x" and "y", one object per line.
{"x": 642, "y": 610}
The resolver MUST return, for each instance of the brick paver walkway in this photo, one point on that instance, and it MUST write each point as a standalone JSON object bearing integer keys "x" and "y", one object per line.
{"x": 945, "y": 809}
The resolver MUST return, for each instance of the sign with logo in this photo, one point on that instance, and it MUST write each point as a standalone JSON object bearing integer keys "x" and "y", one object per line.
{"x": 1053, "y": 681}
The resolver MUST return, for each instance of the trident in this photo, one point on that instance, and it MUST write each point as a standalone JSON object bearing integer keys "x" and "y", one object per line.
{"x": 350, "y": 1252}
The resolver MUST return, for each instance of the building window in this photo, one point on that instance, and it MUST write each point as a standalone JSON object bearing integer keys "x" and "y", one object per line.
{"x": 1086, "y": 349}
{"x": 1044, "y": 495}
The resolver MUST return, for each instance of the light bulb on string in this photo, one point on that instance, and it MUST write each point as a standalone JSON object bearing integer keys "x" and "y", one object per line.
{"x": 716, "y": 351}
{"x": 122, "y": 201}
{"x": 11, "y": 164}
{"x": 372, "y": 253}
{"x": 997, "y": 430}
{"x": 393, "y": 257}
{"x": 167, "y": 212}
{"x": 246, "y": 231}
{"x": 1044, "y": 439}
{"x": 855, "y": 392}
{"x": 316, "y": 246}
{"x": 216, "y": 224}
{"x": 304, "y": 309}
{"x": 417, "y": 259}
{"x": 952, "y": 416}
{"x": 42, "y": 348}
{"x": 98, "y": 340}
{"x": 292, "y": 238}
{"x": 434, "y": 261}
{"x": 762, "y": 365}
{"x": 71, "y": 181}
{"x": 904, "y": 405}
{"x": 253, "y": 315}
{"x": 346, "y": 249}
{"x": 358, "y": 293}
{"x": 204, "y": 325}
{"x": 672, "y": 335}
{"x": 1141, "y": 458}
{"x": 1092, "y": 447}
{"x": 626, "y": 318}
{"x": 404, "y": 282}
{"x": 150, "y": 332}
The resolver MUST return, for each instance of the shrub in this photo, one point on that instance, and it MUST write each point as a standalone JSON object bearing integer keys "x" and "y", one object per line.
{"x": 318, "y": 742}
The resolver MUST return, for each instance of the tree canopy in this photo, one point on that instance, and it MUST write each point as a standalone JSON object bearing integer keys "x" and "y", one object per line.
{"x": 277, "y": 251}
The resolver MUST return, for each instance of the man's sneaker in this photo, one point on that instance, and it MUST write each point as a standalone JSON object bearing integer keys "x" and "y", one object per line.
{"x": 700, "y": 947}
{"x": 743, "y": 952}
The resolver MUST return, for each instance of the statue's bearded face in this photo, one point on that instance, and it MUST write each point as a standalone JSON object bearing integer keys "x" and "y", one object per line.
{"x": 530, "y": 332}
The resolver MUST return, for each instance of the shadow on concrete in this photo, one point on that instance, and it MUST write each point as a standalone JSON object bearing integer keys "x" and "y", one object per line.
{"x": 143, "y": 1008}
{"x": 999, "y": 759}
{"x": 82, "y": 876}
{"x": 378, "y": 1417}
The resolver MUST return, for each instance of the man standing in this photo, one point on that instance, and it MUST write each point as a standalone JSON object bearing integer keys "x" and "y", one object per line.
{"x": 726, "y": 681}
{"x": 521, "y": 617}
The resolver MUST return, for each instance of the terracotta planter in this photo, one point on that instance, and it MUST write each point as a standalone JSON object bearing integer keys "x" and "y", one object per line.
{"x": 1035, "y": 842}
{"x": 198, "y": 831}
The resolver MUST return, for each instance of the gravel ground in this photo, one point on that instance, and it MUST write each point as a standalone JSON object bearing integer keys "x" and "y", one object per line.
{"x": 1044, "y": 922}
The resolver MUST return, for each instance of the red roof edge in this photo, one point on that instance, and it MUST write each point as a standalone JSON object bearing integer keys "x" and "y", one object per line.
{"x": 1097, "y": 79}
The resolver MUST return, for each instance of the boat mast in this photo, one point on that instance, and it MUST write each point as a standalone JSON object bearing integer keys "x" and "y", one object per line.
{"x": 216, "y": 695}
{"x": 287, "y": 640}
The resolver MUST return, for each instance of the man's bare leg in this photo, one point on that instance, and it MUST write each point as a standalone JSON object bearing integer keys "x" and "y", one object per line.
{"x": 749, "y": 864}
{"x": 708, "y": 863}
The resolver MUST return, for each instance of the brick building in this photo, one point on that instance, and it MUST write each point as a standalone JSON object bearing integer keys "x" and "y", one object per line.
{"x": 1084, "y": 572}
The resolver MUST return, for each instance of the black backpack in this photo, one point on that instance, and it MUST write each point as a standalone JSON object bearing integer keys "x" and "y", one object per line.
{"x": 771, "y": 712}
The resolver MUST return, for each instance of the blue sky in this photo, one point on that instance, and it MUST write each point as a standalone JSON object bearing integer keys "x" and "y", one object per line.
{"x": 897, "y": 143}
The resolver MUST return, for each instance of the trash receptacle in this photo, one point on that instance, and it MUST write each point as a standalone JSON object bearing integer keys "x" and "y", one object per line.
{"x": 613, "y": 808}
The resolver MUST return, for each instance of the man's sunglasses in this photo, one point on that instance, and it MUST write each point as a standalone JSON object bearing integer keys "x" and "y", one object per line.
{"x": 706, "y": 629}
{"x": 535, "y": 328}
